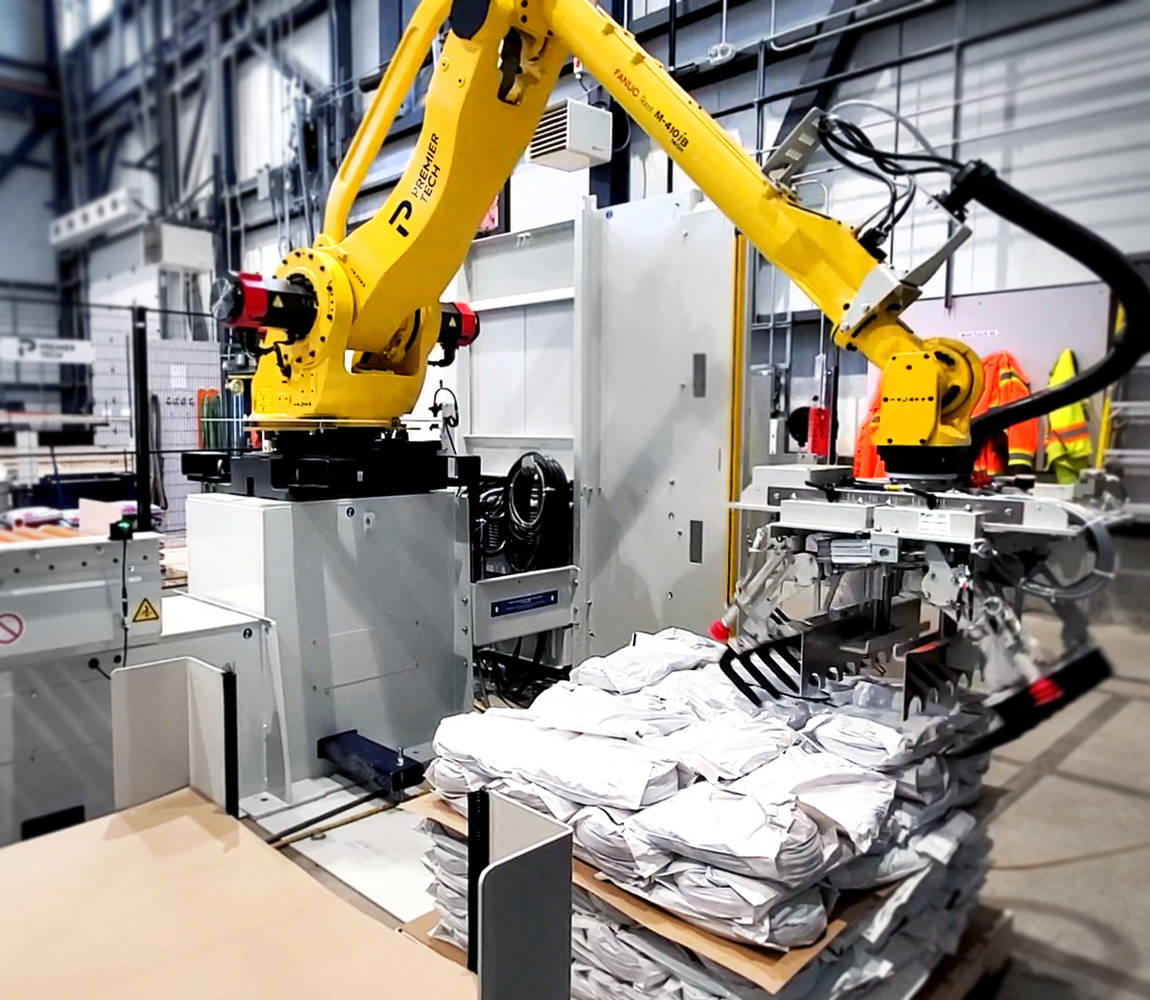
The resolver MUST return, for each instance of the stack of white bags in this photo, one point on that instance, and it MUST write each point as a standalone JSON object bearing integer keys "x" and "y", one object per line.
{"x": 746, "y": 821}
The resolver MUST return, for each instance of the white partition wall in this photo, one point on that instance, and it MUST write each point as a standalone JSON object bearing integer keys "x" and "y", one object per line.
{"x": 656, "y": 343}
{"x": 607, "y": 342}
{"x": 516, "y": 382}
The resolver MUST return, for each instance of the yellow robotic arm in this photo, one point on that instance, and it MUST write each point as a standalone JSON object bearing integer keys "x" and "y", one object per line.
{"x": 375, "y": 292}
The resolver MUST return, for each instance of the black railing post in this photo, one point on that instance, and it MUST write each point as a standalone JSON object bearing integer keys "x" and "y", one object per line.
{"x": 141, "y": 415}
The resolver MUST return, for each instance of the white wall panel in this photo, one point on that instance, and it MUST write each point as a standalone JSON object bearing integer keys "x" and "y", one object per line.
{"x": 659, "y": 460}
{"x": 541, "y": 195}
{"x": 132, "y": 148}
{"x": 22, "y": 30}
{"x": 201, "y": 150}
{"x": 266, "y": 96}
{"x": 308, "y": 49}
{"x": 498, "y": 366}
{"x": 520, "y": 372}
{"x": 25, "y": 197}
{"x": 365, "y": 54}
{"x": 516, "y": 381}
{"x": 547, "y": 403}
{"x": 1059, "y": 110}
{"x": 1077, "y": 136}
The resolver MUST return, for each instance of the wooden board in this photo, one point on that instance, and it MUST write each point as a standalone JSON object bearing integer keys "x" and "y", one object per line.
{"x": 175, "y": 899}
{"x": 769, "y": 969}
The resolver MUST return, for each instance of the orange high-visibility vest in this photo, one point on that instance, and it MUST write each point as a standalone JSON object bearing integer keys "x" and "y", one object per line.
{"x": 1017, "y": 447}
{"x": 867, "y": 464}
{"x": 1002, "y": 382}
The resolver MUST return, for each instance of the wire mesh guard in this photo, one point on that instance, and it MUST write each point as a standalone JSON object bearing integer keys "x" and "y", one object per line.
{"x": 68, "y": 409}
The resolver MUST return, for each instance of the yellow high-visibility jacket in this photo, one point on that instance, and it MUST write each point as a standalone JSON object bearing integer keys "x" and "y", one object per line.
{"x": 1067, "y": 428}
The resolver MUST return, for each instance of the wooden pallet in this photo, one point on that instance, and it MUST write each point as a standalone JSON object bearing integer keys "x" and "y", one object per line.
{"x": 984, "y": 948}
{"x": 984, "y": 951}
{"x": 771, "y": 970}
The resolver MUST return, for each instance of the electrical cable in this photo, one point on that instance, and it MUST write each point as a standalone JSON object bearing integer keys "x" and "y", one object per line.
{"x": 515, "y": 680}
{"x": 875, "y": 229}
{"x": 484, "y": 698}
{"x": 856, "y": 141}
{"x": 493, "y": 518}
{"x": 451, "y": 420}
{"x": 896, "y": 116}
{"x": 124, "y": 595}
{"x": 912, "y": 189}
{"x": 538, "y": 513}
{"x": 323, "y": 817}
{"x": 830, "y": 145}
{"x": 56, "y": 477}
{"x": 158, "y": 493}
{"x": 436, "y": 406}
{"x": 626, "y": 120}
{"x": 328, "y": 827}
{"x": 1071, "y": 859}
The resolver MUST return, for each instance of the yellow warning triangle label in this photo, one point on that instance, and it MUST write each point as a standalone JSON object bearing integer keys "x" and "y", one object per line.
{"x": 146, "y": 612}
{"x": 277, "y": 303}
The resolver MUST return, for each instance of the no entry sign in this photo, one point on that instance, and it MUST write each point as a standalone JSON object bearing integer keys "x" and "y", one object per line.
{"x": 11, "y": 628}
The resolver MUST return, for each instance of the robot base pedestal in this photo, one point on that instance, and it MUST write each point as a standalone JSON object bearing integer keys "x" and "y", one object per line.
{"x": 369, "y": 600}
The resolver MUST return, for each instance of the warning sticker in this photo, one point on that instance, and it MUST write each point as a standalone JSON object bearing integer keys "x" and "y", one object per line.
{"x": 146, "y": 612}
{"x": 11, "y": 628}
{"x": 934, "y": 522}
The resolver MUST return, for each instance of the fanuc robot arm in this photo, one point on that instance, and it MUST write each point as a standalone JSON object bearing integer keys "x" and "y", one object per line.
{"x": 376, "y": 291}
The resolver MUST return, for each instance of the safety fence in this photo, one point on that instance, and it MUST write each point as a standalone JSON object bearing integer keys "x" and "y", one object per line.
{"x": 99, "y": 401}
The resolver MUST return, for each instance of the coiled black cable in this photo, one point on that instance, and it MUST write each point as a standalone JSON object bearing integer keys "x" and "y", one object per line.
{"x": 493, "y": 520}
{"x": 538, "y": 514}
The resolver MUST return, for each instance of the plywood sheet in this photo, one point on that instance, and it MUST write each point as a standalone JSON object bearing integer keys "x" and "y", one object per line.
{"x": 175, "y": 899}
{"x": 420, "y": 930}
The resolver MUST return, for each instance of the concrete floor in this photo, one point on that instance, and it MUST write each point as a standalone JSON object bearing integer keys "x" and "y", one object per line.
{"x": 1076, "y": 786}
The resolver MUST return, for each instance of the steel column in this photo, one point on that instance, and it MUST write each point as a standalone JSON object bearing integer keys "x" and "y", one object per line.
{"x": 342, "y": 66}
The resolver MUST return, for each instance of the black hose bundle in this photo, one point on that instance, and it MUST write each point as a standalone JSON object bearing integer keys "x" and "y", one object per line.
{"x": 516, "y": 679}
{"x": 976, "y": 181}
{"x": 980, "y": 182}
{"x": 538, "y": 506}
{"x": 493, "y": 520}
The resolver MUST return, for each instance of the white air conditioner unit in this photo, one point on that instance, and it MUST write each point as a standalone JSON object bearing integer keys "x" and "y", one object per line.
{"x": 112, "y": 213}
{"x": 571, "y": 135}
{"x": 178, "y": 248}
